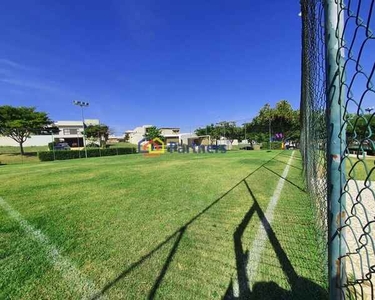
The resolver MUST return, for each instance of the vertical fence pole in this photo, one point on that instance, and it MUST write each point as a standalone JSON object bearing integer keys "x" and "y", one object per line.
{"x": 336, "y": 145}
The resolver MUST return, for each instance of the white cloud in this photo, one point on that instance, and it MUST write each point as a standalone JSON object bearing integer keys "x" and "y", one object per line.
{"x": 30, "y": 84}
{"x": 12, "y": 64}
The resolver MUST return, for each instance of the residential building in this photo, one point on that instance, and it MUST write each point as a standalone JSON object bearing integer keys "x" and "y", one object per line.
{"x": 171, "y": 135}
{"x": 137, "y": 134}
{"x": 71, "y": 131}
{"x": 113, "y": 139}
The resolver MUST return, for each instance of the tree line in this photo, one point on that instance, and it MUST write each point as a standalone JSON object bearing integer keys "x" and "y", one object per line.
{"x": 282, "y": 121}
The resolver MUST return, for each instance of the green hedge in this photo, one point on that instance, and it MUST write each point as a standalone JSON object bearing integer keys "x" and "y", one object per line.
{"x": 71, "y": 154}
{"x": 274, "y": 146}
{"x": 51, "y": 145}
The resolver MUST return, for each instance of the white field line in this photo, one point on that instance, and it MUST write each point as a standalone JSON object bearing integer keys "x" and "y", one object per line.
{"x": 70, "y": 273}
{"x": 260, "y": 239}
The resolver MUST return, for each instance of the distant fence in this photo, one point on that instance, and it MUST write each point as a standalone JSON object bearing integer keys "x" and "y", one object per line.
{"x": 337, "y": 141}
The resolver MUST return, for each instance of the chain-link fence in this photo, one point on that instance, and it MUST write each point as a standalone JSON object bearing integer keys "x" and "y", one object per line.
{"x": 337, "y": 141}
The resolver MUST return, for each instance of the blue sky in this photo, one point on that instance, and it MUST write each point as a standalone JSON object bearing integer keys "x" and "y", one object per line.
{"x": 168, "y": 63}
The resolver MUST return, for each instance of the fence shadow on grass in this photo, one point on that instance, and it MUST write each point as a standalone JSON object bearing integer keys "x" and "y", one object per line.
{"x": 285, "y": 163}
{"x": 301, "y": 288}
{"x": 286, "y": 179}
{"x": 260, "y": 290}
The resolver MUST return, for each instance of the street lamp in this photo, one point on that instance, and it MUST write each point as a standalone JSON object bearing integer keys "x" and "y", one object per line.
{"x": 369, "y": 109}
{"x": 82, "y": 105}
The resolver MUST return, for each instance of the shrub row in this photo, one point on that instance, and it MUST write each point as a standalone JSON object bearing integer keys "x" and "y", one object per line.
{"x": 71, "y": 154}
{"x": 51, "y": 145}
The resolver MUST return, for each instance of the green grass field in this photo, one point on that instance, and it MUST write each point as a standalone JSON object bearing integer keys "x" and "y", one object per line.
{"x": 11, "y": 155}
{"x": 169, "y": 227}
{"x": 361, "y": 169}
{"x": 123, "y": 145}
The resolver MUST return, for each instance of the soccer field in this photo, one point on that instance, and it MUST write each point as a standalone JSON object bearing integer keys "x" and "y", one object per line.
{"x": 178, "y": 226}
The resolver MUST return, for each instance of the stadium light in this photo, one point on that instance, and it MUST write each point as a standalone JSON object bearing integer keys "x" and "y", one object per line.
{"x": 82, "y": 105}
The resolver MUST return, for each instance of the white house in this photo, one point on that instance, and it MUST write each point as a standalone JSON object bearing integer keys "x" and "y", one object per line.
{"x": 69, "y": 132}
{"x": 137, "y": 134}
{"x": 171, "y": 135}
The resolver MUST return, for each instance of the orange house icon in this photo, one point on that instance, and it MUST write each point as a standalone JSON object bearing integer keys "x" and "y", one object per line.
{"x": 154, "y": 147}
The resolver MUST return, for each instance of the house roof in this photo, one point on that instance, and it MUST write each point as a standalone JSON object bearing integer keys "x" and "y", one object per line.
{"x": 68, "y": 123}
{"x": 77, "y": 123}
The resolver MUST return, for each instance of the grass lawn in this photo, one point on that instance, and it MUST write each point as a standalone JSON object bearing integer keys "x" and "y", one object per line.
{"x": 169, "y": 227}
{"x": 11, "y": 155}
{"x": 123, "y": 145}
{"x": 16, "y": 150}
{"x": 15, "y": 158}
{"x": 361, "y": 169}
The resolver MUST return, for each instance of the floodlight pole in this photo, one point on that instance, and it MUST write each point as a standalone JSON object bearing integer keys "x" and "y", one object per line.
{"x": 82, "y": 104}
{"x": 83, "y": 132}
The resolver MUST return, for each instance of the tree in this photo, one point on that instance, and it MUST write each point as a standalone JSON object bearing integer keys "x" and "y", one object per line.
{"x": 231, "y": 131}
{"x": 226, "y": 129}
{"x": 212, "y": 130}
{"x": 360, "y": 129}
{"x": 127, "y": 137}
{"x": 19, "y": 123}
{"x": 153, "y": 133}
{"x": 282, "y": 119}
{"x": 286, "y": 120}
{"x": 100, "y": 131}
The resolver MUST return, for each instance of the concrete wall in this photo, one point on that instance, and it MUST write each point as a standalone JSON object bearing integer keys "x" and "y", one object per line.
{"x": 184, "y": 137}
{"x": 35, "y": 140}
{"x": 135, "y": 137}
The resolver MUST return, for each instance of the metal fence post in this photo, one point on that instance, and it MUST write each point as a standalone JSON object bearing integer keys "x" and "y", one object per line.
{"x": 336, "y": 145}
